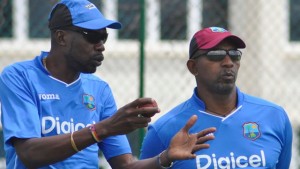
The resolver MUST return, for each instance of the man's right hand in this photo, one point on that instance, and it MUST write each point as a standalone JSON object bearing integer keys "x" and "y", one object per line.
{"x": 128, "y": 118}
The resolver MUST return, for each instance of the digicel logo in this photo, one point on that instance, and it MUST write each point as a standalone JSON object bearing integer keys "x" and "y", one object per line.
{"x": 230, "y": 162}
{"x": 50, "y": 123}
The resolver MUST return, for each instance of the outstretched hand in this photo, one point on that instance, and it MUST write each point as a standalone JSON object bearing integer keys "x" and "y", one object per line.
{"x": 183, "y": 145}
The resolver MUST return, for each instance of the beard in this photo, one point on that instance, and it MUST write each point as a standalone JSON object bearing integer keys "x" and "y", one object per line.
{"x": 84, "y": 64}
{"x": 223, "y": 88}
{"x": 88, "y": 69}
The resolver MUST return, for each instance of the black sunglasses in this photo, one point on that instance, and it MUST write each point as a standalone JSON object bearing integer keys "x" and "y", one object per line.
{"x": 91, "y": 36}
{"x": 219, "y": 55}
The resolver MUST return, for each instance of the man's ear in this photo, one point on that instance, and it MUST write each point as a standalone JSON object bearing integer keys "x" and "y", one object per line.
{"x": 60, "y": 37}
{"x": 191, "y": 65}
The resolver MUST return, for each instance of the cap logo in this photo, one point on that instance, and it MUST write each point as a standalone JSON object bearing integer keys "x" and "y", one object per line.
{"x": 90, "y": 6}
{"x": 218, "y": 29}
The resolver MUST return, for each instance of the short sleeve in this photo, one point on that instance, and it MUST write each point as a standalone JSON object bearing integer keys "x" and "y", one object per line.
{"x": 114, "y": 145}
{"x": 286, "y": 152}
{"x": 19, "y": 110}
{"x": 152, "y": 144}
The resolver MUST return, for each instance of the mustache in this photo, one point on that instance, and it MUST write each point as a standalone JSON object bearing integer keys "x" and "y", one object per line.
{"x": 228, "y": 72}
{"x": 99, "y": 58}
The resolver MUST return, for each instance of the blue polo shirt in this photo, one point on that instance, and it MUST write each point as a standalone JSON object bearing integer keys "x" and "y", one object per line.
{"x": 35, "y": 104}
{"x": 258, "y": 134}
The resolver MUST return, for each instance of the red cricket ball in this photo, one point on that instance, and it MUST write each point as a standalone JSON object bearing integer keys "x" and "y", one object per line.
{"x": 153, "y": 104}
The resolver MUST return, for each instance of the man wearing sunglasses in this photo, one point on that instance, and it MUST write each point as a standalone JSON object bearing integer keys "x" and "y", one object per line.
{"x": 56, "y": 114}
{"x": 251, "y": 132}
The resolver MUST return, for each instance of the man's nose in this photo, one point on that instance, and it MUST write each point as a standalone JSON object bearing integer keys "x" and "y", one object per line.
{"x": 227, "y": 61}
{"x": 99, "y": 46}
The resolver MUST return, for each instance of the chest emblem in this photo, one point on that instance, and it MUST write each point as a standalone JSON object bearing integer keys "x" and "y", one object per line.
{"x": 89, "y": 102}
{"x": 251, "y": 130}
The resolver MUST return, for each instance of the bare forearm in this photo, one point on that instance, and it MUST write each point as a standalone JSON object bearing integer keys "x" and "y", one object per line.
{"x": 127, "y": 162}
{"x": 153, "y": 163}
{"x": 37, "y": 152}
{"x": 142, "y": 164}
